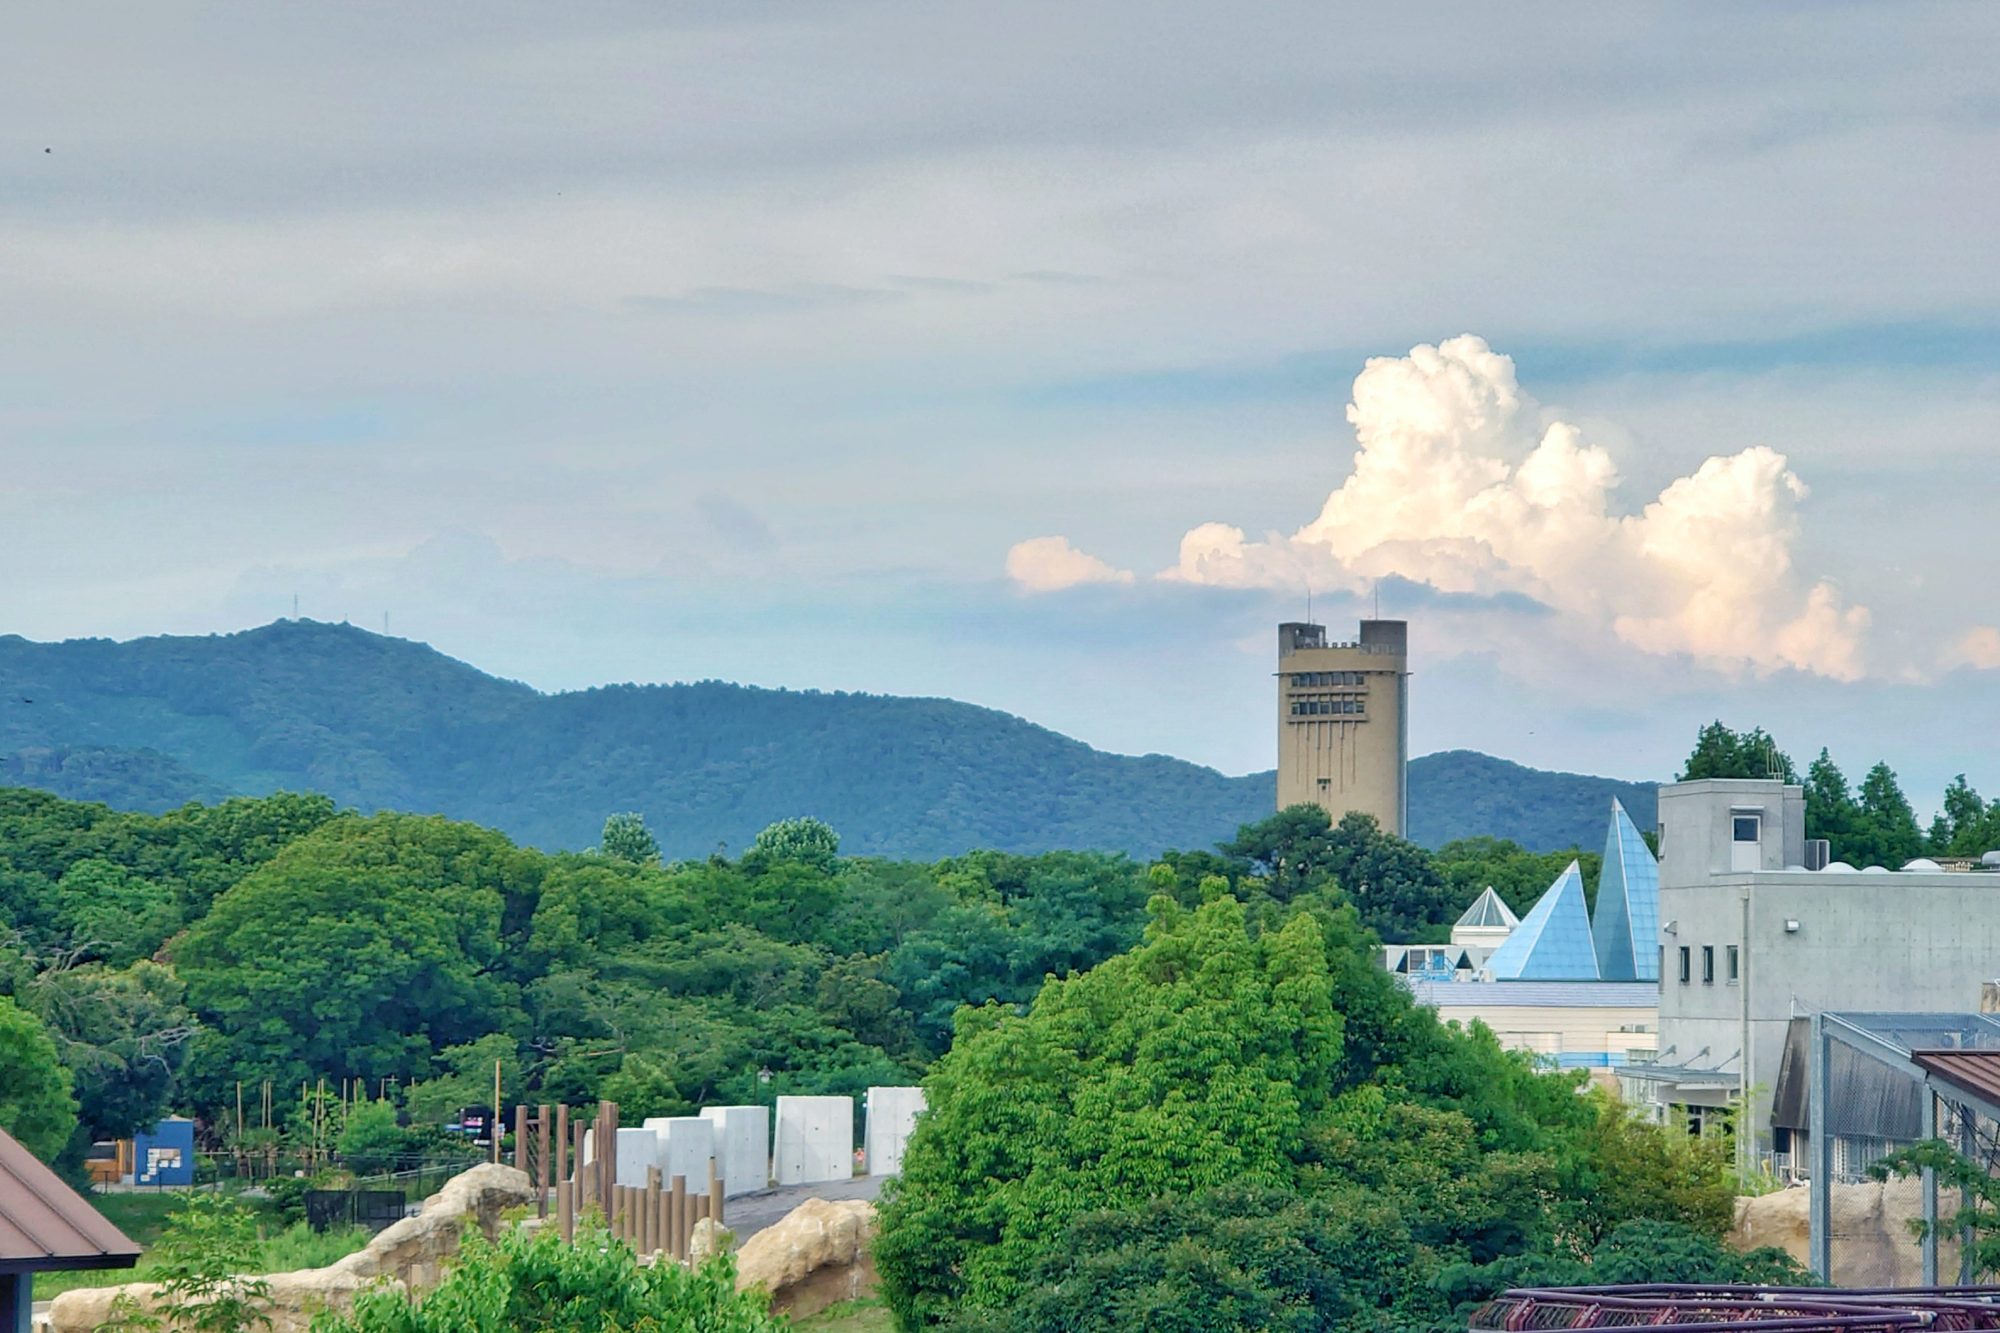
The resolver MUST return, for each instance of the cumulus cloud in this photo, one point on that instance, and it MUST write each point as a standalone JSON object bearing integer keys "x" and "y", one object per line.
{"x": 1050, "y": 564}
{"x": 1458, "y": 483}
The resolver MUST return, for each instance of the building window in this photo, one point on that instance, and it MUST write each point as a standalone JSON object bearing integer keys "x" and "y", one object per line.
{"x": 1732, "y": 964}
{"x": 1746, "y": 828}
{"x": 1687, "y": 964}
{"x": 1708, "y": 964}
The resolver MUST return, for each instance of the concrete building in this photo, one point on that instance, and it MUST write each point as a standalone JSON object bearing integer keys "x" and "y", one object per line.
{"x": 1592, "y": 1025}
{"x": 1751, "y": 940}
{"x": 1343, "y": 721}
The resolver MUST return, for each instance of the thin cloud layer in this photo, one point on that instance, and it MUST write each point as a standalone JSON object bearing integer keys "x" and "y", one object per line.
{"x": 1459, "y": 484}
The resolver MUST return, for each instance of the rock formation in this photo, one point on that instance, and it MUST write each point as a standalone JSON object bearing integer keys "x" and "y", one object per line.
{"x": 817, "y": 1256}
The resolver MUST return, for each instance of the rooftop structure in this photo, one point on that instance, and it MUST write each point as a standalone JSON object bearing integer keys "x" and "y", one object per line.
{"x": 1553, "y": 942}
{"x": 1343, "y": 721}
{"x": 1625, "y": 930}
{"x": 1489, "y": 921}
{"x": 1751, "y": 940}
{"x": 44, "y": 1226}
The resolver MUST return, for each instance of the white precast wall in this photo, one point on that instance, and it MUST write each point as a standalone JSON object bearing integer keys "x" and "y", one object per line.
{"x": 815, "y": 1140}
{"x": 637, "y": 1150}
{"x": 892, "y": 1114}
{"x": 742, "y": 1146}
{"x": 687, "y": 1145}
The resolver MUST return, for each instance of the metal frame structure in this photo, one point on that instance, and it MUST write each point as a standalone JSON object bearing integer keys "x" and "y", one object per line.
{"x": 1892, "y": 1039}
{"x": 1684, "y": 1308}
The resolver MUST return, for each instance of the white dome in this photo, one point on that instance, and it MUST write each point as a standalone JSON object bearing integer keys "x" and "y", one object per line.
{"x": 1875, "y": 870}
{"x": 1923, "y": 863}
{"x": 1838, "y": 868}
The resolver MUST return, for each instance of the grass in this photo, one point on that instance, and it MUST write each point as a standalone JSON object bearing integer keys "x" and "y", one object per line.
{"x": 144, "y": 1216}
{"x": 864, "y": 1316}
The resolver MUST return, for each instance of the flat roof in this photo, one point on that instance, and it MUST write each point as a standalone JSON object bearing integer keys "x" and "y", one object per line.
{"x": 44, "y": 1224}
{"x": 1534, "y": 994}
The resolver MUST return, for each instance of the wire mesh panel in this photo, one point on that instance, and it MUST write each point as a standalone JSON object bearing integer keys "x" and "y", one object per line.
{"x": 1885, "y": 1082}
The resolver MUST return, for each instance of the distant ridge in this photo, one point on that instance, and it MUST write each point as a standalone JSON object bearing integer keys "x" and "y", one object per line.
{"x": 378, "y": 722}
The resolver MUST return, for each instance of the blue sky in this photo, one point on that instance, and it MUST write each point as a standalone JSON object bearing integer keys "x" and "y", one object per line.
{"x": 747, "y": 341}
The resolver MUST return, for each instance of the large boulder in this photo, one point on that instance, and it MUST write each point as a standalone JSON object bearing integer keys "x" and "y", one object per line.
{"x": 1872, "y": 1245}
{"x": 817, "y": 1256}
{"x": 410, "y": 1255}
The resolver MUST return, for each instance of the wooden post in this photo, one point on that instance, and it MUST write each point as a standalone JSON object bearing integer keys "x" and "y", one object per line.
{"x": 566, "y": 1209}
{"x": 580, "y": 1174}
{"x": 562, "y": 1143}
{"x": 493, "y": 1122}
{"x": 688, "y": 1201}
{"x": 715, "y": 1195}
{"x": 544, "y": 1171}
{"x": 677, "y": 1236}
{"x": 521, "y": 1162}
{"x": 649, "y": 1213}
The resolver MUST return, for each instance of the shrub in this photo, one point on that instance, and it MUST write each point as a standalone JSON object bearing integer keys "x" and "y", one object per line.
{"x": 539, "y": 1282}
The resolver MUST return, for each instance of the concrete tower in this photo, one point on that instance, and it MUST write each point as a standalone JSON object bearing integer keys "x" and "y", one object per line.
{"x": 1343, "y": 720}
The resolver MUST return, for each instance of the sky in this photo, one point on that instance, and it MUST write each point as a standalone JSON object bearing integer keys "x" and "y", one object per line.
{"x": 1646, "y": 358}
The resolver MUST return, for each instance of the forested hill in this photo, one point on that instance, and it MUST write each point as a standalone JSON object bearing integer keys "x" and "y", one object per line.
{"x": 383, "y": 723}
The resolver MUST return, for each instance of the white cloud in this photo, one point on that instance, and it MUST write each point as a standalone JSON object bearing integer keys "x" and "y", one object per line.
{"x": 1979, "y": 648}
{"x": 1050, "y": 564}
{"x": 1457, "y": 485}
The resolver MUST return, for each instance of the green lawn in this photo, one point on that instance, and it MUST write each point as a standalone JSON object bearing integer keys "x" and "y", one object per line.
{"x": 144, "y": 1216}
{"x": 867, "y": 1316}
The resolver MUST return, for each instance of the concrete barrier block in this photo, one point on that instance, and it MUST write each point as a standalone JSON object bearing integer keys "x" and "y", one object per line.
{"x": 815, "y": 1140}
{"x": 742, "y": 1146}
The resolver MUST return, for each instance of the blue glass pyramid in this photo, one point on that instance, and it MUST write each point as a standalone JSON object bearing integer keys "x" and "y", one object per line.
{"x": 1626, "y": 931}
{"x": 1553, "y": 942}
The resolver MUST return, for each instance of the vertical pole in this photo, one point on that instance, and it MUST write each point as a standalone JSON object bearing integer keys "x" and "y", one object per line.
{"x": 715, "y": 1194}
{"x": 566, "y": 1209}
{"x": 1821, "y": 1202}
{"x": 650, "y": 1212}
{"x": 663, "y": 1223}
{"x": 581, "y": 1175}
{"x": 688, "y": 1198}
{"x": 677, "y": 1237}
{"x": 521, "y": 1162}
{"x": 543, "y": 1171}
{"x": 1927, "y": 1129}
{"x": 1967, "y": 1141}
{"x": 493, "y": 1124}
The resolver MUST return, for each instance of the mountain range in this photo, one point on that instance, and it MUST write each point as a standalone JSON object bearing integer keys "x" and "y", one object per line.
{"x": 385, "y": 723}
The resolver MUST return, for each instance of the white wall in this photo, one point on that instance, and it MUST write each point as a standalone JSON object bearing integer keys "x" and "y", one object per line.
{"x": 892, "y": 1114}
{"x": 687, "y": 1145}
{"x": 815, "y": 1140}
{"x": 742, "y": 1146}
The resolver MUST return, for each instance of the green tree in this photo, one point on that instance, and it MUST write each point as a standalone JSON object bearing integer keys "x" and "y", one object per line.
{"x": 1291, "y": 852}
{"x": 1886, "y": 832}
{"x": 122, "y": 1034}
{"x": 1722, "y": 753}
{"x": 465, "y": 1078}
{"x": 627, "y": 838}
{"x": 1830, "y": 808}
{"x": 539, "y": 1281}
{"x": 363, "y": 949}
{"x": 805, "y": 840}
{"x": 1470, "y": 865}
{"x": 1196, "y": 1060}
{"x": 1393, "y": 882}
{"x": 35, "y": 1102}
{"x": 371, "y": 1142}
{"x": 1623, "y": 1169}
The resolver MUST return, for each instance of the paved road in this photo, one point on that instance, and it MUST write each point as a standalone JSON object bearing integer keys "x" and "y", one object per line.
{"x": 748, "y": 1214}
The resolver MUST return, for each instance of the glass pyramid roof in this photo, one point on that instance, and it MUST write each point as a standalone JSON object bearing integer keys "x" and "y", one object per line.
{"x": 1626, "y": 931}
{"x": 1553, "y": 941}
{"x": 1488, "y": 910}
